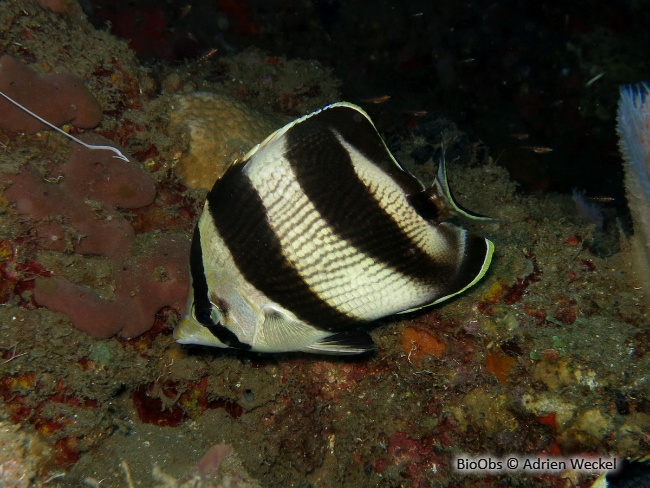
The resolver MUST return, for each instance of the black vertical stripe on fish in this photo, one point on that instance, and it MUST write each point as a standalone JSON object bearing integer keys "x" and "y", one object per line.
{"x": 325, "y": 172}
{"x": 202, "y": 305}
{"x": 361, "y": 133}
{"x": 239, "y": 216}
{"x": 427, "y": 209}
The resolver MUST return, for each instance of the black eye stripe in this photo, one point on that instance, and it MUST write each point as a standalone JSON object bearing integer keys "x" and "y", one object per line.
{"x": 202, "y": 315}
{"x": 199, "y": 283}
{"x": 228, "y": 337}
{"x": 202, "y": 306}
{"x": 221, "y": 332}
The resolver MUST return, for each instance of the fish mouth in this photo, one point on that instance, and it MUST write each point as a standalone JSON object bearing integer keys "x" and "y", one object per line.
{"x": 188, "y": 331}
{"x": 179, "y": 330}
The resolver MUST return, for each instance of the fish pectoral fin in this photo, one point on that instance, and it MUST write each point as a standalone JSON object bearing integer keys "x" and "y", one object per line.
{"x": 350, "y": 342}
{"x": 281, "y": 332}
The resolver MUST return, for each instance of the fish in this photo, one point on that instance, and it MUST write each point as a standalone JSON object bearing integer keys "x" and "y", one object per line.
{"x": 377, "y": 100}
{"x": 317, "y": 232}
{"x": 538, "y": 149}
{"x": 632, "y": 473}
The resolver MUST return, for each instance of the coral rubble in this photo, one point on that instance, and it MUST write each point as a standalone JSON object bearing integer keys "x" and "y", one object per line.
{"x": 24, "y": 456}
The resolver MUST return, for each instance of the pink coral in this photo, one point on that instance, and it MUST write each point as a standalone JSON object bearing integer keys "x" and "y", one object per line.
{"x": 58, "y": 98}
{"x": 98, "y": 175}
{"x": 89, "y": 174}
{"x": 57, "y": 6}
{"x": 34, "y": 197}
{"x": 143, "y": 286}
{"x": 157, "y": 277}
{"x": 211, "y": 460}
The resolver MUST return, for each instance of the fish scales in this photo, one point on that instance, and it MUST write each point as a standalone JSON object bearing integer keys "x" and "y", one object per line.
{"x": 257, "y": 251}
{"x": 381, "y": 258}
{"x": 329, "y": 264}
{"x": 317, "y": 231}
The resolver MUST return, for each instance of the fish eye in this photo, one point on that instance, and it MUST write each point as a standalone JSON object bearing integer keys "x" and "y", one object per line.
{"x": 215, "y": 316}
{"x": 200, "y": 315}
{"x": 206, "y": 316}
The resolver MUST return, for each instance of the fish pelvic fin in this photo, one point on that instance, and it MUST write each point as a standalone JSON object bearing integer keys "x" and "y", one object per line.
{"x": 343, "y": 343}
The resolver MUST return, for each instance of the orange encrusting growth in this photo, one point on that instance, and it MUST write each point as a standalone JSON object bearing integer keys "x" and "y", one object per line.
{"x": 500, "y": 364}
{"x": 418, "y": 343}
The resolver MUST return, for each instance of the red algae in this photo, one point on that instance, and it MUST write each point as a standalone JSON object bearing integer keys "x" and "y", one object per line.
{"x": 170, "y": 403}
{"x": 152, "y": 411}
{"x": 67, "y": 451}
{"x": 516, "y": 292}
{"x": 415, "y": 457}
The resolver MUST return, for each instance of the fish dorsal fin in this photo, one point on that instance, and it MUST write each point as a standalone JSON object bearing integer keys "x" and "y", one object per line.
{"x": 278, "y": 134}
{"x": 435, "y": 203}
{"x": 387, "y": 162}
{"x": 440, "y": 195}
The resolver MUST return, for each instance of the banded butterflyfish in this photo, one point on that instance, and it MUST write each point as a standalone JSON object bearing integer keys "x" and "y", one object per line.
{"x": 317, "y": 231}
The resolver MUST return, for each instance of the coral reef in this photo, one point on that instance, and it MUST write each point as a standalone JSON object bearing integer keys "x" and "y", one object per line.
{"x": 288, "y": 86}
{"x": 58, "y": 98}
{"x": 515, "y": 365}
{"x": 634, "y": 133}
{"x": 220, "y": 129}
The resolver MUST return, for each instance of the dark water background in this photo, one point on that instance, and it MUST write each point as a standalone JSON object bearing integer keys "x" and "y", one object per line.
{"x": 537, "y": 82}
